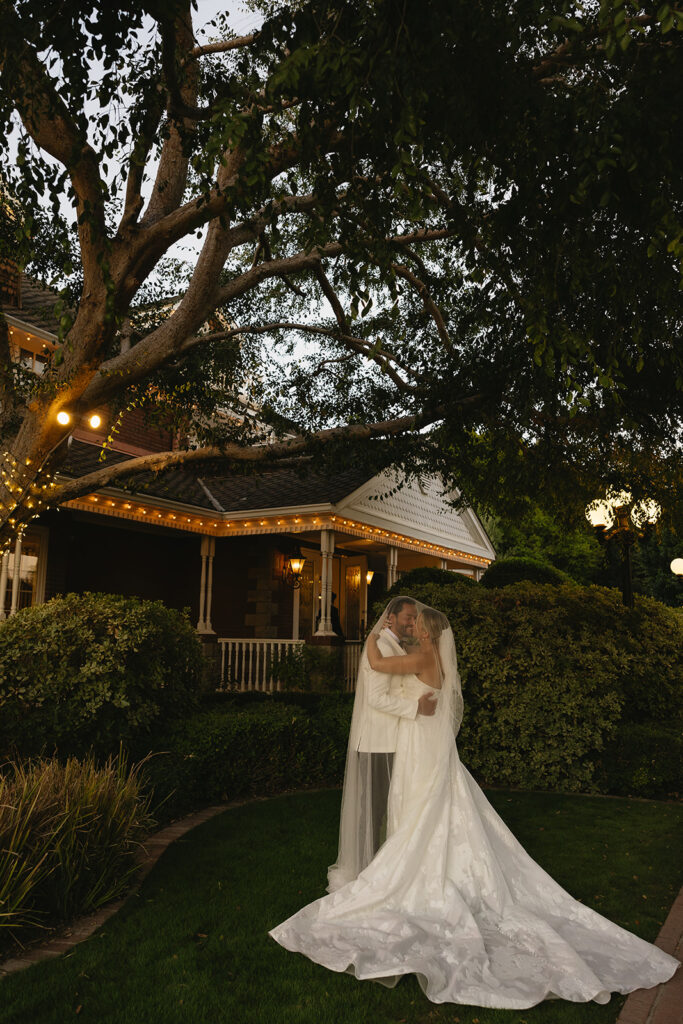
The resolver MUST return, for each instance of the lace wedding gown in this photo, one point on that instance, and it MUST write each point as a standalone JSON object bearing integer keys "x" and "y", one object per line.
{"x": 452, "y": 897}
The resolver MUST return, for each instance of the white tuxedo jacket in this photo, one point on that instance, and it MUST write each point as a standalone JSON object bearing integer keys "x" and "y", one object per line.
{"x": 376, "y": 729}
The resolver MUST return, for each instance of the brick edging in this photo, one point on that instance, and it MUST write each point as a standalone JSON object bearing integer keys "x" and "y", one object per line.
{"x": 83, "y": 927}
{"x": 662, "y": 1004}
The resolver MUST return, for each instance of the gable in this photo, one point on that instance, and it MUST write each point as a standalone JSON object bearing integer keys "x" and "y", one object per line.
{"x": 420, "y": 508}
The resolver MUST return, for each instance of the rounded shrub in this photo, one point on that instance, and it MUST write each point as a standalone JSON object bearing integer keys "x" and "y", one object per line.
{"x": 553, "y": 678}
{"x": 505, "y": 571}
{"x": 86, "y": 671}
{"x": 425, "y": 575}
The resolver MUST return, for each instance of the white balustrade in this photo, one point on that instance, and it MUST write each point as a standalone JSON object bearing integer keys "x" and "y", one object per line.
{"x": 247, "y": 663}
{"x": 352, "y": 652}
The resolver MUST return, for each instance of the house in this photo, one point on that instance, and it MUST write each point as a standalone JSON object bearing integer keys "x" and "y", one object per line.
{"x": 255, "y": 558}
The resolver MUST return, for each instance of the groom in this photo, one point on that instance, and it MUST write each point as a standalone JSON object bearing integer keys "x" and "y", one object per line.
{"x": 376, "y": 739}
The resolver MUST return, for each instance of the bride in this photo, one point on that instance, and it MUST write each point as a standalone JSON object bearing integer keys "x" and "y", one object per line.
{"x": 450, "y": 895}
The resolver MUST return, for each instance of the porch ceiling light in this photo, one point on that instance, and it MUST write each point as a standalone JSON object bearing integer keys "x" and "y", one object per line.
{"x": 95, "y": 421}
{"x": 63, "y": 417}
{"x": 294, "y": 567}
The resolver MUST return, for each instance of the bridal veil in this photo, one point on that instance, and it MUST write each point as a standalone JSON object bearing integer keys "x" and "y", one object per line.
{"x": 369, "y": 754}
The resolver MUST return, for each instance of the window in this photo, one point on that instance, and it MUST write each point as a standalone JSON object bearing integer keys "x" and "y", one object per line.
{"x": 353, "y": 602}
{"x": 35, "y": 361}
{"x": 30, "y": 587}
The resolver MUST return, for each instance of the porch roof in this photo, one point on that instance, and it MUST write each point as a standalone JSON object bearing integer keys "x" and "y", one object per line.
{"x": 354, "y": 503}
{"x": 37, "y": 308}
{"x": 232, "y": 494}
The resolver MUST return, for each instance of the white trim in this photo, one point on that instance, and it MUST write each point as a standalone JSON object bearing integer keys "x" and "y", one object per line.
{"x": 27, "y": 328}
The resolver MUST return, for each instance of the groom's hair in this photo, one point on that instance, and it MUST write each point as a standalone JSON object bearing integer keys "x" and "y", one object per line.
{"x": 396, "y": 605}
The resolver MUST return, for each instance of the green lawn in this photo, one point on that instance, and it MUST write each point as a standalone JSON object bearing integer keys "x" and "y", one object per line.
{"x": 192, "y": 947}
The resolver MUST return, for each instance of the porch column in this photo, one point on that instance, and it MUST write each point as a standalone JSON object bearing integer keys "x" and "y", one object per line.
{"x": 3, "y": 583}
{"x": 16, "y": 576}
{"x": 208, "y": 549}
{"x": 392, "y": 567}
{"x": 326, "y": 552}
{"x": 443, "y": 564}
{"x": 295, "y": 614}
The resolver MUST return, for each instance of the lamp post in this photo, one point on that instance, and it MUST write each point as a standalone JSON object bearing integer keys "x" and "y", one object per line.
{"x": 617, "y": 515}
{"x": 677, "y": 566}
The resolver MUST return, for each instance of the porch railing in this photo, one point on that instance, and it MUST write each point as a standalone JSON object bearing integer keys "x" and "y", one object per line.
{"x": 352, "y": 652}
{"x": 247, "y": 663}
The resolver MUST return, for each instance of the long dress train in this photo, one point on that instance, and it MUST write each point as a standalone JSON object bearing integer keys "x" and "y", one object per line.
{"x": 454, "y": 898}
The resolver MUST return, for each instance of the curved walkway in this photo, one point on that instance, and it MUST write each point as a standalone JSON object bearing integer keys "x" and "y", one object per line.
{"x": 660, "y": 1005}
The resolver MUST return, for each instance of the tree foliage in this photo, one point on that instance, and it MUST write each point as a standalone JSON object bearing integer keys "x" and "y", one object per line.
{"x": 471, "y": 211}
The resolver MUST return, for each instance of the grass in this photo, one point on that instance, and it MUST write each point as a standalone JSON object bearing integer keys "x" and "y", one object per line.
{"x": 192, "y": 946}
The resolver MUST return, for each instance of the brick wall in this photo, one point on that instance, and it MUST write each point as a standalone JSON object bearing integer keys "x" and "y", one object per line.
{"x": 249, "y": 599}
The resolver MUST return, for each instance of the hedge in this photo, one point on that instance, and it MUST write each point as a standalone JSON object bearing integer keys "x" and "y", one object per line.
{"x": 425, "y": 575}
{"x": 261, "y": 748}
{"x": 505, "y": 571}
{"x": 554, "y": 679}
{"x": 90, "y": 670}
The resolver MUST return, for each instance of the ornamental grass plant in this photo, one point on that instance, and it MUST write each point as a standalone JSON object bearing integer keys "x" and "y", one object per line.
{"x": 69, "y": 835}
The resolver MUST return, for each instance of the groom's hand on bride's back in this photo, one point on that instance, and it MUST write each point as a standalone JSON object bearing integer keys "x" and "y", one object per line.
{"x": 426, "y": 705}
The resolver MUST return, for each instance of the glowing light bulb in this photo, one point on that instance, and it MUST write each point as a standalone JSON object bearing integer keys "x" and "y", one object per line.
{"x": 95, "y": 421}
{"x": 63, "y": 417}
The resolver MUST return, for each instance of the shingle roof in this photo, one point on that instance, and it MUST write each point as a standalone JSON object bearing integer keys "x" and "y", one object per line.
{"x": 37, "y": 305}
{"x": 231, "y": 493}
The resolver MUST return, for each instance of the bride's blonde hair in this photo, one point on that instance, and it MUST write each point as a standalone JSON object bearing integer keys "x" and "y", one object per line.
{"x": 434, "y": 622}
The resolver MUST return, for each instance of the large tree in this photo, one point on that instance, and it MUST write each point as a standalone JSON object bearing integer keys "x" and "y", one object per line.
{"x": 473, "y": 208}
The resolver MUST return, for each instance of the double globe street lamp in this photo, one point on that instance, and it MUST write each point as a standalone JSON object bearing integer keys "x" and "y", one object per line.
{"x": 617, "y": 515}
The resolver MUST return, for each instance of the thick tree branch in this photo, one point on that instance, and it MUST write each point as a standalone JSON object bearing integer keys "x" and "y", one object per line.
{"x": 167, "y": 340}
{"x": 177, "y": 40}
{"x": 428, "y": 302}
{"x": 51, "y": 126}
{"x": 333, "y": 299}
{"x": 238, "y": 454}
{"x": 221, "y": 47}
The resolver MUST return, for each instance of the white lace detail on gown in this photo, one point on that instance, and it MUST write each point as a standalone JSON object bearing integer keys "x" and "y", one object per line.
{"x": 454, "y": 898}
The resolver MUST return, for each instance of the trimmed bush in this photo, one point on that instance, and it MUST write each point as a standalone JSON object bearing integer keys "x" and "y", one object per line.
{"x": 425, "y": 575}
{"x": 311, "y": 669}
{"x": 258, "y": 749}
{"x": 69, "y": 835}
{"x": 554, "y": 676}
{"x": 90, "y": 670}
{"x": 643, "y": 758}
{"x": 505, "y": 571}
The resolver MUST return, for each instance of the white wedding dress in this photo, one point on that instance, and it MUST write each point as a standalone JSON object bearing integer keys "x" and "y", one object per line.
{"x": 452, "y": 897}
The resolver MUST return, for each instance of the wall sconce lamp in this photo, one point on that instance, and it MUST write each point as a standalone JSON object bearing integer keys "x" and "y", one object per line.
{"x": 368, "y": 576}
{"x": 293, "y": 569}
